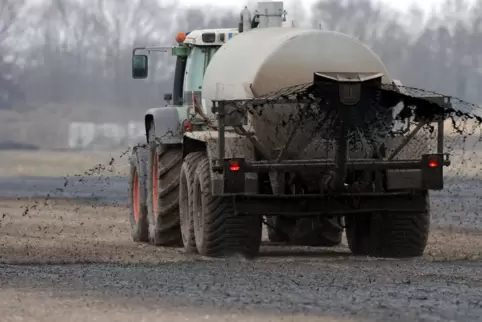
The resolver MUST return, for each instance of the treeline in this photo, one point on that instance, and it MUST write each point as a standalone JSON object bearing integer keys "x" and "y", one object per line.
{"x": 78, "y": 52}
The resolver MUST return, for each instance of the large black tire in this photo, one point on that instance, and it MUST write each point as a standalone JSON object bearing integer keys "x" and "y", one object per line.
{"x": 218, "y": 231}
{"x": 138, "y": 195}
{"x": 186, "y": 193}
{"x": 393, "y": 235}
{"x": 163, "y": 205}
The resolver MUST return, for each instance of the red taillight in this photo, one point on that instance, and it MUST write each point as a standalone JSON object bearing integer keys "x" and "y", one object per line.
{"x": 187, "y": 125}
{"x": 234, "y": 166}
{"x": 433, "y": 163}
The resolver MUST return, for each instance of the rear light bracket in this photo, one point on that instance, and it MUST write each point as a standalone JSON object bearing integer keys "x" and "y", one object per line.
{"x": 433, "y": 176}
{"x": 234, "y": 181}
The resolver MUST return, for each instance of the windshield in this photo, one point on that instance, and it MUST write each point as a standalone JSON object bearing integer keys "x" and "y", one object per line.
{"x": 196, "y": 67}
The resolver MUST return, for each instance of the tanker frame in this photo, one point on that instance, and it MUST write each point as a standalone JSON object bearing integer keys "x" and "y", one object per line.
{"x": 211, "y": 169}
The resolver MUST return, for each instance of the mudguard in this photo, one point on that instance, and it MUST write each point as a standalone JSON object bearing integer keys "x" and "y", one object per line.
{"x": 236, "y": 146}
{"x": 140, "y": 143}
{"x": 167, "y": 123}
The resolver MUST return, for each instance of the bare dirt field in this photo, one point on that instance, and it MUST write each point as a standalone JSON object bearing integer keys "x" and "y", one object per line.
{"x": 66, "y": 260}
{"x": 77, "y": 261}
{"x": 66, "y": 232}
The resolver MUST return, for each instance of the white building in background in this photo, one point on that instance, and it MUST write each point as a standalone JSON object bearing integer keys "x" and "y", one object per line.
{"x": 103, "y": 136}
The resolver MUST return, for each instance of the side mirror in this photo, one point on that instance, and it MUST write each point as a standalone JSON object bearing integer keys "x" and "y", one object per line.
{"x": 168, "y": 97}
{"x": 139, "y": 66}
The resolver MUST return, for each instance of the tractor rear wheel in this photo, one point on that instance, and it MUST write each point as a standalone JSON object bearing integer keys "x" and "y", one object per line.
{"x": 218, "y": 230}
{"x": 138, "y": 194}
{"x": 163, "y": 197}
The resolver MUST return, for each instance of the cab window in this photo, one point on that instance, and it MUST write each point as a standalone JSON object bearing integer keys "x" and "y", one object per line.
{"x": 197, "y": 62}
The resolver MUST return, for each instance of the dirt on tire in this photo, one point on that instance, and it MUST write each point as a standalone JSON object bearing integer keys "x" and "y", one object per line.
{"x": 164, "y": 167}
{"x": 218, "y": 231}
{"x": 138, "y": 210}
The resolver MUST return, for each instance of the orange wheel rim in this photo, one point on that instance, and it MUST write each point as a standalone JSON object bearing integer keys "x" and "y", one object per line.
{"x": 155, "y": 185}
{"x": 135, "y": 197}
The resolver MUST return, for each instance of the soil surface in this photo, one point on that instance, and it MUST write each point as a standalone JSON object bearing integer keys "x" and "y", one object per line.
{"x": 74, "y": 261}
{"x": 66, "y": 255}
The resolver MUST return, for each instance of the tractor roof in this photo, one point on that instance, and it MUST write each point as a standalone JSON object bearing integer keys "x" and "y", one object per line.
{"x": 210, "y": 37}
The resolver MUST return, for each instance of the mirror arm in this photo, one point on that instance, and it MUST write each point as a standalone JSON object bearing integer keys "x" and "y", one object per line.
{"x": 136, "y": 49}
{"x": 152, "y": 49}
{"x": 159, "y": 49}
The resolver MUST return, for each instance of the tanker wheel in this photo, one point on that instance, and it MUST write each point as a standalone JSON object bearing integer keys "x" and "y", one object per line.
{"x": 163, "y": 197}
{"x": 186, "y": 192}
{"x": 138, "y": 195}
{"x": 390, "y": 235}
{"x": 218, "y": 231}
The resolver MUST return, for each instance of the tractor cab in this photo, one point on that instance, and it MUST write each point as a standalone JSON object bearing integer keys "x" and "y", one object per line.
{"x": 193, "y": 52}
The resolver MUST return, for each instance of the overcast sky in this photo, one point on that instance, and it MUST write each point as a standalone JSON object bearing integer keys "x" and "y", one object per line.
{"x": 399, "y": 4}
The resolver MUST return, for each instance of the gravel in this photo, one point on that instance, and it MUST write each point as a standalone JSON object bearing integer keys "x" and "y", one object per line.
{"x": 327, "y": 286}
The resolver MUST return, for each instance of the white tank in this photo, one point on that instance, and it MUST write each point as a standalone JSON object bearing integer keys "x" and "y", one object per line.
{"x": 265, "y": 60}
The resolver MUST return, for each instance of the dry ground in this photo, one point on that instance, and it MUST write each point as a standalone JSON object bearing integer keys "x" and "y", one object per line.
{"x": 66, "y": 261}
{"x": 63, "y": 232}
{"x": 38, "y": 307}
{"x": 76, "y": 262}
{"x": 67, "y": 232}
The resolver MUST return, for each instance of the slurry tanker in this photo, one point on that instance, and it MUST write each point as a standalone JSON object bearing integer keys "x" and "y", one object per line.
{"x": 246, "y": 138}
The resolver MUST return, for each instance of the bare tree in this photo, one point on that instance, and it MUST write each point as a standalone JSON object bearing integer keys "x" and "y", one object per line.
{"x": 85, "y": 49}
{"x": 10, "y": 91}
{"x": 371, "y": 23}
{"x": 74, "y": 52}
{"x": 442, "y": 54}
